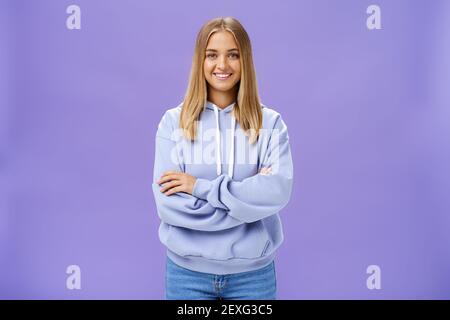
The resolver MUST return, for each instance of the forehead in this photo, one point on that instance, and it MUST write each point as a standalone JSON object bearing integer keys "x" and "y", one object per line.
{"x": 221, "y": 40}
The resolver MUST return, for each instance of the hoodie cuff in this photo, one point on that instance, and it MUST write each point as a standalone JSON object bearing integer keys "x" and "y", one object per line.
{"x": 201, "y": 188}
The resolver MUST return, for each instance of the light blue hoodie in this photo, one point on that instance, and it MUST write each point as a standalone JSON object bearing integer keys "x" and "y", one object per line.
{"x": 230, "y": 223}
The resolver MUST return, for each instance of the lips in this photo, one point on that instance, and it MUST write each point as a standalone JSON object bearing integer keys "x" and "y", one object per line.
{"x": 222, "y": 76}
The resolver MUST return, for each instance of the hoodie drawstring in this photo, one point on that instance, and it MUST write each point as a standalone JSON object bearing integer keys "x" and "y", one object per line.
{"x": 231, "y": 161}
{"x": 218, "y": 155}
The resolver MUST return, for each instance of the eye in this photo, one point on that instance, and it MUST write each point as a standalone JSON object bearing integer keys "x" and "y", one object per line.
{"x": 234, "y": 56}
{"x": 211, "y": 55}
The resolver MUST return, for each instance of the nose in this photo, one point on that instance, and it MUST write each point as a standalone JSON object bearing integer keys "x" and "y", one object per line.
{"x": 221, "y": 64}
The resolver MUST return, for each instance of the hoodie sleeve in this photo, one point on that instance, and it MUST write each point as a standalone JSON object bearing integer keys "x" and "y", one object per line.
{"x": 182, "y": 209}
{"x": 258, "y": 196}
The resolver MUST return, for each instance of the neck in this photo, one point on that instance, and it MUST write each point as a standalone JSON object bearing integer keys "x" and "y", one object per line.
{"x": 222, "y": 99}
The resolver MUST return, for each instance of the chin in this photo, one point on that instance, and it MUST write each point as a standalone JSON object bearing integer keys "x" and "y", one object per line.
{"x": 223, "y": 87}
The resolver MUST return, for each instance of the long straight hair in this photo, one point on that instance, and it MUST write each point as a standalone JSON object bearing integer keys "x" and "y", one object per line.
{"x": 247, "y": 109}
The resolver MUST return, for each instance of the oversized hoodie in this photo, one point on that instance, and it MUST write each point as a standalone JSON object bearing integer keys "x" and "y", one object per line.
{"x": 231, "y": 222}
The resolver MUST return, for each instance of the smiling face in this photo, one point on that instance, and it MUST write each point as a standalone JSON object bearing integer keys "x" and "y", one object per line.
{"x": 222, "y": 66}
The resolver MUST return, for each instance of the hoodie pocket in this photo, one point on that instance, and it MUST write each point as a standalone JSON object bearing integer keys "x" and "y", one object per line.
{"x": 246, "y": 241}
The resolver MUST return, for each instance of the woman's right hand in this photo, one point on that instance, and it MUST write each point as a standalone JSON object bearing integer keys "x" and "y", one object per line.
{"x": 265, "y": 170}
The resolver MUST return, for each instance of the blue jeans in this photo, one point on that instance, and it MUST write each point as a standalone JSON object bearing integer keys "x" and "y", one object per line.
{"x": 185, "y": 284}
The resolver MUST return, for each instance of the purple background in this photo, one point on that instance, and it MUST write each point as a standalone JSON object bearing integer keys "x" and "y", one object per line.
{"x": 368, "y": 117}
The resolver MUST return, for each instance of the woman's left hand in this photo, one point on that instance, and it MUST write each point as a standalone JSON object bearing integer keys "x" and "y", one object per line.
{"x": 176, "y": 182}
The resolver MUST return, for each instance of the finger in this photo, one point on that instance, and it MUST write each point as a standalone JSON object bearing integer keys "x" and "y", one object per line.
{"x": 173, "y": 190}
{"x": 166, "y": 173}
{"x": 169, "y": 185}
{"x": 167, "y": 178}
{"x": 169, "y": 172}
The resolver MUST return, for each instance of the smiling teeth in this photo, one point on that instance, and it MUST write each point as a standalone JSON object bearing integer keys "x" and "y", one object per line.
{"x": 222, "y": 75}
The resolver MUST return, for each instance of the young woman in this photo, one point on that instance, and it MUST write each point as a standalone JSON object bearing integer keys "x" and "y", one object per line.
{"x": 223, "y": 171}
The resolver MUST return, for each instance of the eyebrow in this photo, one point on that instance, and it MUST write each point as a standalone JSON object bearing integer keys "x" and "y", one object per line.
{"x": 214, "y": 50}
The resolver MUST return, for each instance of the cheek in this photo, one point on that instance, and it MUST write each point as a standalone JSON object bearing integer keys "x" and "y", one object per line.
{"x": 237, "y": 74}
{"x": 237, "y": 67}
{"x": 207, "y": 67}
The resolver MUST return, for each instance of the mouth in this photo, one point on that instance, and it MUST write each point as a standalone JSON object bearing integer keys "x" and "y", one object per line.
{"x": 222, "y": 76}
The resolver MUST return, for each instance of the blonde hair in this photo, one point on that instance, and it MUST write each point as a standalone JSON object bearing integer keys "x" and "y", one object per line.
{"x": 247, "y": 109}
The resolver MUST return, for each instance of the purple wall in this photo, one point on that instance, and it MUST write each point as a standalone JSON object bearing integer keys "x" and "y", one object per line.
{"x": 368, "y": 117}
